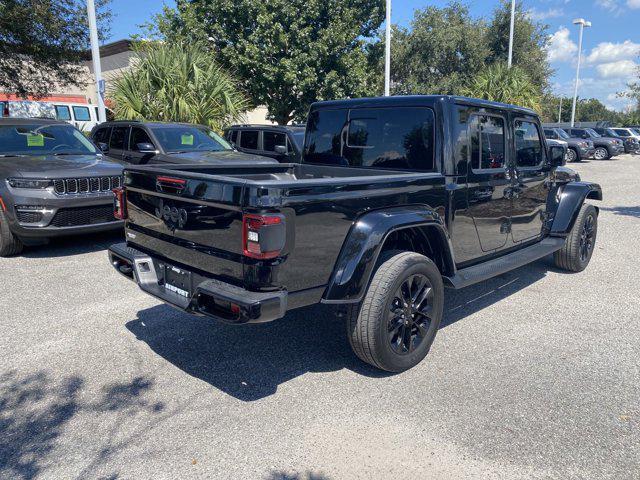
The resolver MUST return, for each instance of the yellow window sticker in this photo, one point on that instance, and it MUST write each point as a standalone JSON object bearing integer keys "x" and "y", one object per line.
{"x": 187, "y": 139}
{"x": 35, "y": 140}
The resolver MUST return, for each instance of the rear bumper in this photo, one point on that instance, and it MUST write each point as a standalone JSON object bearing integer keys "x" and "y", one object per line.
{"x": 213, "y": 298}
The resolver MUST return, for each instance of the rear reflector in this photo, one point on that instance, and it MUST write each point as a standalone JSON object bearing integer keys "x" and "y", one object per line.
{"x": 263, "y": 236}
{"x": 119, "y": 203}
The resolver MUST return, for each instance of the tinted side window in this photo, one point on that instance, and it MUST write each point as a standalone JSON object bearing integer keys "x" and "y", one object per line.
{"x": 62, "y": 112}
{"x": 323, "y": 142}
{"x": 550, "y": 134}
{"x": 249, "y": 139}
{"x": 399, "y": 138}
{"x": 233, "y": 136}
{"x": 622, "y": 133}
{"x": 102, "y": 135}
{"x": 271, "y": 139}
{"x": 81, "y": 114}
{"x": 529, "y": 151}
{"x": 487, "y": 142}
{"x": 118, "y": 137}
{"x": 138, "y": 135}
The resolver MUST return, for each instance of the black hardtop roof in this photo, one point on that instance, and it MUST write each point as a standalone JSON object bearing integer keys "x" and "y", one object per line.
{"x": 266, "y": 126}
{"x": 417, "y": 100}
{"x": 31, "y": 121}
{"x": 149, "y": 124}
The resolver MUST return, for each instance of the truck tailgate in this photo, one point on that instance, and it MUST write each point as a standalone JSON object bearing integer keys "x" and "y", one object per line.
{"x": 186, "y": 220}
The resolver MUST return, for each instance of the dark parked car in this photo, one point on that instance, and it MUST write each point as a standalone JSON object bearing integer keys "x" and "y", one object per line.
{"x": 53, "y": 182}
{"x": 578, "y": 148}
{"x": 284, "y": 143}
{"x": 605, "y": 147}
{"x": 628, "y": 137}
{"x": 396, "y": 197}
{"x": 130, "y": 142}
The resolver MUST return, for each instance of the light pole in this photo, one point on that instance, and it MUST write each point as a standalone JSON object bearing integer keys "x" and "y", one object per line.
{"x": 513, "y": 21}
{"x": 583, "y": 23}
{"x": 95, "y": 56}
{"x": 560, "y": 111}
{"x": 387, "y": 52}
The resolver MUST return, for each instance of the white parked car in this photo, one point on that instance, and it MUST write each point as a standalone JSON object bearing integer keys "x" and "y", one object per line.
{"x": 81, "y": 115}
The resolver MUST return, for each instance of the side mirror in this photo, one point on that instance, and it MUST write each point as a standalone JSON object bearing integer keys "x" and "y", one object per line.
{"x": 281, "y": 150}
{"x": 584, "y": 135}
{"x": 145, "y": 148}
{"x": 557, "y": 156}
{"x": 104, "y": 148}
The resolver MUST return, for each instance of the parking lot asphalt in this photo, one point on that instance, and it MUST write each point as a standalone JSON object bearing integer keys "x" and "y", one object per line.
{"x": 534, "y": 374}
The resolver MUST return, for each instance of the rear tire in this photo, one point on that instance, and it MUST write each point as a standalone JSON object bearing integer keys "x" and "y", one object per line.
{"x": 601, "y": 153}
{"x": 9, "y": 243}
{"x": 395, "y": 325}
{"x": 576, "y": 253}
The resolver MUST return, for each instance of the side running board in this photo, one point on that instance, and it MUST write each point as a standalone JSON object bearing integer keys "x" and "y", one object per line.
{"x": 486, "y": 270}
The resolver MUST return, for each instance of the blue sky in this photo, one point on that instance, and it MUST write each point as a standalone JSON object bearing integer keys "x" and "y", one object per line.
{"x": 611, "y": 48}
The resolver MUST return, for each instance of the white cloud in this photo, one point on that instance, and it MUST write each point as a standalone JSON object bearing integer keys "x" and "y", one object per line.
{"x": 612, "y": 5}
{"x": 539, "y": 15}
{"x": 603, "y": 89}
{"x": 633, "y": 3}
{"x": 561, "y": 48}
{"x": 610, "y": 52}
{"x": 619, "y": 69}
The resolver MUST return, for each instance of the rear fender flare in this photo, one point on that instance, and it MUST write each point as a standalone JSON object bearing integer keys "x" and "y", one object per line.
{"x": 357, "y": 259}
{"x": 571, "y": 197}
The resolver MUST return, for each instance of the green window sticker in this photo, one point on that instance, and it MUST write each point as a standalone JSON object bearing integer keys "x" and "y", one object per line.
{"x": 35, "y": 140}
{"x": 187, "y": 139}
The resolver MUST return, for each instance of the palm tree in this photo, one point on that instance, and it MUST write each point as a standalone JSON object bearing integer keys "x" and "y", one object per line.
{"x": 500, "y": 83}
{"x": 177, "y": 82}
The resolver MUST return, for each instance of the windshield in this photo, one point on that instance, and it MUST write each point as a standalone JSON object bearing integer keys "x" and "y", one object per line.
{"x": 38, "y": 139}
{"x": 562, "y": 134}
{"x": 187, "y": 138}
{"x": 612, "y": 133}
{"x": 636, "y": 131}
{"x": 592, "y": 133}
{"x": 621, "y": 133}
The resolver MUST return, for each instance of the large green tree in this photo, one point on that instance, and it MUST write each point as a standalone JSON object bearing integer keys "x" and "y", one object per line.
{"x": 507, "y": 85}
{"x": 177, "y": 82}
{"x": 440, "y": 52}
{"x": 44, "y": 42}
{"x": 529, "y": 42}
{"x": 287, "y": 53}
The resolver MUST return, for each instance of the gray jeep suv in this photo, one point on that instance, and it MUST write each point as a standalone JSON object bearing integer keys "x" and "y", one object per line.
{"x": 53, "y": 182}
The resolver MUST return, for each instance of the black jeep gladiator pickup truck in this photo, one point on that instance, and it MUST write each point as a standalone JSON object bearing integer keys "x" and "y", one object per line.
{"x": 396, "y": 198}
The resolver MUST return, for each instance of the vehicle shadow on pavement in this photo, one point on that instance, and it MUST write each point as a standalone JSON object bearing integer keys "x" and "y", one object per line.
{"x": 36, "y": 409}
{"x": 248, "y": 362}
{"x": 624, "y": 211}
{"x": 459, "y": 304}
{"x": 76, "y": 245}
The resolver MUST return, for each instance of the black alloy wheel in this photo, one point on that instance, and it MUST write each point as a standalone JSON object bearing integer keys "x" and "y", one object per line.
{"x": 410, "y": 314}
{"x": 587, "y": 238}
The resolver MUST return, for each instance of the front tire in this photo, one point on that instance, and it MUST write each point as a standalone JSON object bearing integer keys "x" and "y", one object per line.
{"x": 572, "y": 156}
{"x": 601, "y": 153}
{"x": 576, "y": 253}
{"x": 9, "y": 243}
{"x": 395, "y": 325}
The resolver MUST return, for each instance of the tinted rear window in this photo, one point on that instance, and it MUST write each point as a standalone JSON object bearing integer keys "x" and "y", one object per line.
{"x": 396, "y": 138}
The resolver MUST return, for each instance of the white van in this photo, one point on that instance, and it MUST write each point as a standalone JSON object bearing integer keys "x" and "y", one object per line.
{"x": 83, "y": 116}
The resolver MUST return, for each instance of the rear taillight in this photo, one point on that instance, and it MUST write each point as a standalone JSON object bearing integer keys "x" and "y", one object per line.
{"x": 119, "y": 203}
{"x": 263, "y": 236}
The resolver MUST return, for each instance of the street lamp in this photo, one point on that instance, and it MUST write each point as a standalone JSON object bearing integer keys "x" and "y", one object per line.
{"x": 95, "y": 55}
{"x": 387, "y": 52}
{"x": 583, "y": 23}
{"x": 513, "y": 21}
